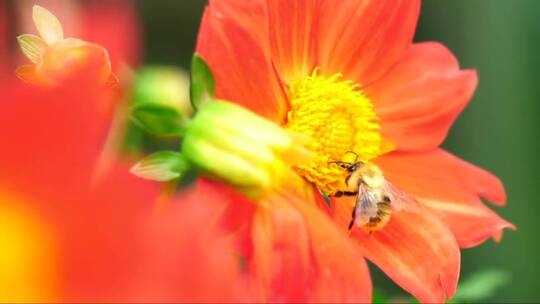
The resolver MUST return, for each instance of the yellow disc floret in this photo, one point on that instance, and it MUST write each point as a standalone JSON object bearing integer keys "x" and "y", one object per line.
{"x": 341, "y": 122}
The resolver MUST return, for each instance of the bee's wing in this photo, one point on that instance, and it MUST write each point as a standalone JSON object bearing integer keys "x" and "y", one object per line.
{"x": 400, "y": 200}
{"x": 366, "y": 206}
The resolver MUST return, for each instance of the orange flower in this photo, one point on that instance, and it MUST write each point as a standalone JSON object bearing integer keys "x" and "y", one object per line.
{"x": 111, "y": 24}
{"x": 69, "y": 236}
{"x": 347, "y": 74}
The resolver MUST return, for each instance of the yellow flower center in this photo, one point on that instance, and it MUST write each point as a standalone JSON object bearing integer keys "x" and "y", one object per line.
{"x": 341, "y": 122}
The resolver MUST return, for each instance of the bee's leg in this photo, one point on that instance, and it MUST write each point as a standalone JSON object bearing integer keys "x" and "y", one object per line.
{"x": 353, "y": 217}
{"x": 346, "y": 193}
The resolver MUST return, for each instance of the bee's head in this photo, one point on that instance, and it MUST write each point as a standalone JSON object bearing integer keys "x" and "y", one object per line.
{"x": 351, "y": 167}
{"x": 354, "y": 166}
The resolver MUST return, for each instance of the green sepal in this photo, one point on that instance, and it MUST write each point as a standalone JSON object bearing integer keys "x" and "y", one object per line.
{"x": 326, "y": 198}
{"x": 161, "y": 166}
{"x": 32, "y": 46}
{"x": 159, "y": 119}
{"x": 203, "y": 84}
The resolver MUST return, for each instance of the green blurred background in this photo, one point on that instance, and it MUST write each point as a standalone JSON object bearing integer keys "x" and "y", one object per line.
{"x": 498, "y": 131}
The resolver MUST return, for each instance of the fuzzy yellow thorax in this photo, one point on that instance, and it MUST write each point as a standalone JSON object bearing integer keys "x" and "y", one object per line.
{"x": 341, "y": 122}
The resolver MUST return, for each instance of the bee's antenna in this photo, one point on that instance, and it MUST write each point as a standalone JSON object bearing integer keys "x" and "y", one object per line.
{"x": 355, "y": 154}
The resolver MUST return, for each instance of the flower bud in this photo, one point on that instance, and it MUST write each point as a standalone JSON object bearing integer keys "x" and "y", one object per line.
{"x": 163, "y": 85}
{"x": 56, "y": 59}
{"x": 233, "y": 144}
{"x": 74, "y": 58}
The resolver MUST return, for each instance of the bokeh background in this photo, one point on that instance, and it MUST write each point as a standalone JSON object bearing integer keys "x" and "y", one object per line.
{"x": 498, "y": 131}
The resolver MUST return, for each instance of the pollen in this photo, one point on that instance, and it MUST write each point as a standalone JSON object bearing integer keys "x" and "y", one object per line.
{"x": 341, "y": 122}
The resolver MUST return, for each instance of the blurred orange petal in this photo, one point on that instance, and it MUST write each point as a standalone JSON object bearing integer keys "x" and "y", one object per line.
{"x": 113, "y": 246}
{"x": 281, "y": 252}
{"x": 28, "y": 259}
{"x": 51, "y": 137}
{"x": 203, "y": 266}
{"x": 27, "y": 73}
{"x": 72, "y": 57}
{"x": 115, "y": 26}
{"x": 122, "y": 251}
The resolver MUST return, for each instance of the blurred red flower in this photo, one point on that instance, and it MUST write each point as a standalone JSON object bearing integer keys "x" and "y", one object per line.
{"x": 111, "y": 24}
{"x": 4, "y": 29}
{"x": 68, "y": 234}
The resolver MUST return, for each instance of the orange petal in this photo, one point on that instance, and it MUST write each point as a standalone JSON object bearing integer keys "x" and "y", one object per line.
{"x": 291, "y": 42}
{"x": 448, "y": 168}
{"x": 281, "y": 252}
{"x": 207, "y": 267}
{"x": 471, "y": 223}
{"x": 231, "y": 40}
{"x": 46, "y": 148}
{"x": 112, "y": 81}
{"x": 73, "y": 58}
{"x": 418, "y": 252}
{"x": 27, "y": 73}
{"x": 343, "y": 275}
{"x": 451, "y": 187}
{"x": 363, "y": 39}
{"x": 421, "y": 97}
{"x": 302, "y": 256}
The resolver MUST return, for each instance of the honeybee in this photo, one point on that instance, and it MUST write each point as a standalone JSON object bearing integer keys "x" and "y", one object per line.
{"x": 375, "y": 196}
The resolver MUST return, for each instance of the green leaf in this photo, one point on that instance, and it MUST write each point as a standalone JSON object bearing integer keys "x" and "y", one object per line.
{"x": 32, "y": 46}
{"x": 481, "y": 285}
{"x": 159, "y": 119}
{"x": 203, "y": 85}
{"x": 164, "y": 85}
{"x": 161, "y": 166}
